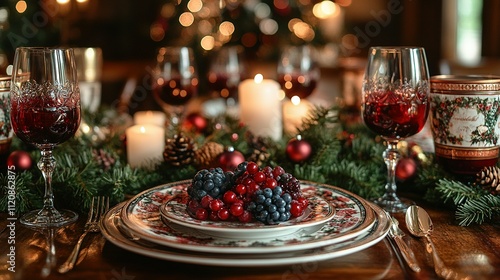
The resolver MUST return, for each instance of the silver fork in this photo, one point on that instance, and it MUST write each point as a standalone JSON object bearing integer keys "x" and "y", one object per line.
{"x": 98, "y": 207}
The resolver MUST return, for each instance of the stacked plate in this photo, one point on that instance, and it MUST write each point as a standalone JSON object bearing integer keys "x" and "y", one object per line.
{"x": 155, "y": 223}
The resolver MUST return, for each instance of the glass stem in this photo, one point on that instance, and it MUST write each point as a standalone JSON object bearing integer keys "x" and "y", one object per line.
{"x": 47, "y": 164}
{"x": 391, "y": 157}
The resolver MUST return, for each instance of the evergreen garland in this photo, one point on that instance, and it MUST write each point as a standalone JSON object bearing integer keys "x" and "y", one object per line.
{"x": 344, "y": 154}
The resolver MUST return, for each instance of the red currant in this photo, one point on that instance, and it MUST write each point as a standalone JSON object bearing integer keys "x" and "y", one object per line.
{"x": 213, "y": 216}
{"x": 201, "y": 214}
{"x": 278, "y": 170}
{"x": 296, "y": 209}
{"x": 229, "y": 197}
{"x": 216, "y": 205}
{"x": 240, "y": 189}
{"x": 259, "y": 177}
{"x": 252, "y": 167}
{"x": 205, "y": 201}
{"x": 245, "y": 217}
{"x": 252, "y": 188}
{"x": 303, "y": 201}
{"x": 193, "y": 205}
{"x": 236, "y": 209}
{"x": 271, "y": 183}
{"x": 223, "y": 214}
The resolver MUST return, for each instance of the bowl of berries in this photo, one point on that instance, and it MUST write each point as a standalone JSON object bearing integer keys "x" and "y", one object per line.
{"x": 249, "y": 202}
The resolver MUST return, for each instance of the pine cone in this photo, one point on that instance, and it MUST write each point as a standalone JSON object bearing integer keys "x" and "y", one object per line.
{"x": 179, "y": 151}
{"x": 488, "y": 178}
{"x": 258, "y": 146}
{"x": 103, "y": 158}
{"x": 206, "y": 156}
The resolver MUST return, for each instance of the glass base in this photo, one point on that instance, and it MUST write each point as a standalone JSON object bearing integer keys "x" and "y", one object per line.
{"x": 398, "y": 205}
{"x": 48, "y": 218}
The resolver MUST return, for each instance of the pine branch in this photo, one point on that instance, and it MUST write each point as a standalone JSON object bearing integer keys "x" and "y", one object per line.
{"x": 457, "y": 191}
{"x": 478, "y": 210}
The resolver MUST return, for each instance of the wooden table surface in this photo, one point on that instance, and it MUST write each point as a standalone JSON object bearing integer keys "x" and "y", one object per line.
{"x": 473, "y": 249}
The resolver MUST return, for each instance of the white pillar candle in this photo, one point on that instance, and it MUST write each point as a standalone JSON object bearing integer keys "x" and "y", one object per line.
{"x": 150, "y": 117}
{"x": 294, "y": 112}
{"x": 145, "y": 145}
{"x": 260, "y": 107}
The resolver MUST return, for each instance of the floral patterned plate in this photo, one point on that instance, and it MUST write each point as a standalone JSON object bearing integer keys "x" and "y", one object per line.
{"x": 141, "y": 216}
{"x": 318, "y": 212}
{"x": 113, "y": 230}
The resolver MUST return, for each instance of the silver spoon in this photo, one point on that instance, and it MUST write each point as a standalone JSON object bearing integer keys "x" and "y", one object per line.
{"x": 420, "y": 225}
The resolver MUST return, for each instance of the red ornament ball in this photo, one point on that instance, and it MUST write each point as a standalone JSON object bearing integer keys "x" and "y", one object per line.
{"x": 195, "y": 122}
{"x": 229, "y": 159}
{"x": 298, "y": 150}
{"x": 406, "y": 168}
{"x": 21, "y": 160}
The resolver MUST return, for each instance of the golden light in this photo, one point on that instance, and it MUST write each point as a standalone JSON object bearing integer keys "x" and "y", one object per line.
{"x": 62, "y": 2}
{"x": 292, "y": 23}
{"x": 21, "y": 6}
{"x": 226, "y": 28}
{"x": 207, "y": 43}
{"x": 303, "y": 31}
{"x": 268, "y": 26}
{"x": 281, "y": 94}
{"x": 295, "y": 100}
{"x": 186, "y": 19}
{"x": 262, "y": 11}
{"x": 194, "y": 5}
{"x": 81, "y": 1}
{"x": 325, "y": 9}
{"x": 258, "y": 78}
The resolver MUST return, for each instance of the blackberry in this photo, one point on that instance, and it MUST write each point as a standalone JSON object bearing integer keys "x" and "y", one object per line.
{"x": 271, "y": 206}
{"x": 290, "y": 185}
{"x": 212, "y": 182}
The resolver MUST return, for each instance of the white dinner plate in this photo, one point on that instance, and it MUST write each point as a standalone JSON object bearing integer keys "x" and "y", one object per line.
{"x": 318, "y": 212}
{"x": 110, "y": 227}
{"x": 141, "y": 216}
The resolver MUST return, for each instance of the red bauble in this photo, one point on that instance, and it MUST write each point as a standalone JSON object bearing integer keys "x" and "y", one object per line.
{"x": 21, "y": 160}
{"x": 298, "y": 150}
{"x": 406, "y": 168}
{"x": 195, "y": 122}
{"x": 230, "y": 159}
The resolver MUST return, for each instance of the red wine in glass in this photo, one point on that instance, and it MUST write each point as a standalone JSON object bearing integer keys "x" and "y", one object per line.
{"x": 393, "y": 119}
{"x": 37, "y": 124}
{"x": 395, "y": 105}
{"x": 45, "y": 112}
{"x": 175, "y": 92}
{"x": 297, "y": 85}
{"x": 225, "y": 85}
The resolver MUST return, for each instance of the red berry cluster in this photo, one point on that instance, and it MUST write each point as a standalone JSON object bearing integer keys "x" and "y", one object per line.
{"x": 233, "y": 203}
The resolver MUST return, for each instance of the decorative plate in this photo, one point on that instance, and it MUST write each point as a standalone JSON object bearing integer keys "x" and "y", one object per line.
{"x": 318, "y": 212}
{"x": 141, "y": 216}
{"x": 120, "y": 236}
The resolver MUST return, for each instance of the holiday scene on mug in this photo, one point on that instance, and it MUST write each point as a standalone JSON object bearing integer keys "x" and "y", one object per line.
{"x": 249, "y": 139}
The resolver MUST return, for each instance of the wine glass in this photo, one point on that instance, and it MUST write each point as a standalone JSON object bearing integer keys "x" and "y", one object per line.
{"x": 297, "y": 72}
{"x": 45, "y": 112}
{"x": 225, "y": 74}
{"x": 175, "y": 80}
{"x": 395, "y": 105}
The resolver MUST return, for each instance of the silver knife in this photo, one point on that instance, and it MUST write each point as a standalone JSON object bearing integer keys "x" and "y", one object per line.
{"x": 396, "y": 234}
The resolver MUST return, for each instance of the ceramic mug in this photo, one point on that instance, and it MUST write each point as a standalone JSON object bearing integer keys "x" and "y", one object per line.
{"x": 465, "y": 124}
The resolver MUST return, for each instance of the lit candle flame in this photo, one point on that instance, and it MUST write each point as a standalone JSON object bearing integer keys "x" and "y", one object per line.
{"x": 258, "y": 78}
{"x": 295, "y": 100}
